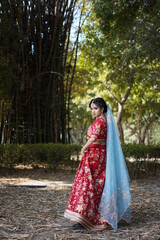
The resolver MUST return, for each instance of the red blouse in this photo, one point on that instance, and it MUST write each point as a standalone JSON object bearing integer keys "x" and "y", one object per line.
{"x": 98, "y": 129}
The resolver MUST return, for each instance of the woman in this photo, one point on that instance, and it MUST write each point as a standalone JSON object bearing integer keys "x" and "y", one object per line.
{"x": 100, "y": 193}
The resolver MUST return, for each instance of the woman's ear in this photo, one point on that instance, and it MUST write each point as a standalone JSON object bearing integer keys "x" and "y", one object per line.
{"x": 102, "y": 110}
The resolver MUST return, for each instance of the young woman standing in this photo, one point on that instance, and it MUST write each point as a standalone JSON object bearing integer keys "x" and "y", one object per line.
{"x": 95, "y": 192}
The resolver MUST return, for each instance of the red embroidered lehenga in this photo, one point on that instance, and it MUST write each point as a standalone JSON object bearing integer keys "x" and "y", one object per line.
{"x": 88, "y": 185}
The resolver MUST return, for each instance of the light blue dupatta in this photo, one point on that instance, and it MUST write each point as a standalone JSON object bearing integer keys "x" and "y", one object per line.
{"x": 116, "y": 197}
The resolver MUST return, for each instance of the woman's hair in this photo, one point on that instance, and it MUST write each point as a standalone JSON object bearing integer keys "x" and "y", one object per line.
{"x": 99, "y": 102}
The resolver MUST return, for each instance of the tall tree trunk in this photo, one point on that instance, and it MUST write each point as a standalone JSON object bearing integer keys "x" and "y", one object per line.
{"x": 119, "y": 122}
{"x": 121, "y": 104}
{"x": 36, "y": 38}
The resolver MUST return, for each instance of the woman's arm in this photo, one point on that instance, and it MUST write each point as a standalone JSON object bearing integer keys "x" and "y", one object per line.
{"x": 89, "y": 142}
{"x": 95, "y": 131}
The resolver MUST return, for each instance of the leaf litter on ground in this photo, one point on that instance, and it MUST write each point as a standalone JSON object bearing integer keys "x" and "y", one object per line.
{"x": 37, "y": 213}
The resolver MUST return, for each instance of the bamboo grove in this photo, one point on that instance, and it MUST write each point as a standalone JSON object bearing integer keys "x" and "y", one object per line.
{"x": 35, "y": 73}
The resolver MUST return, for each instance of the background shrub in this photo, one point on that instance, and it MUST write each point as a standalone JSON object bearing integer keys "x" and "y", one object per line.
{"x": 140, "y": 159}
{"x": 51, "y": 155}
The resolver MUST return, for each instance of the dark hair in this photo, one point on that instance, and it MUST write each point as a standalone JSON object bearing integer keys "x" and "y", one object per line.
{"x": 99, "y": 102}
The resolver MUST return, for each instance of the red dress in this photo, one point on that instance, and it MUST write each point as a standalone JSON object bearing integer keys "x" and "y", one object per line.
{"x": 88, "y": 185}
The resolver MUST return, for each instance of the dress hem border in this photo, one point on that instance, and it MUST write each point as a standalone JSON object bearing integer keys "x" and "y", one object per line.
{"x": 73, "y": 216}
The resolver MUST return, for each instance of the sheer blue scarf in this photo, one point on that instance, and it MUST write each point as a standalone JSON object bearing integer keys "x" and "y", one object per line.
{"x": 116, "y": 197}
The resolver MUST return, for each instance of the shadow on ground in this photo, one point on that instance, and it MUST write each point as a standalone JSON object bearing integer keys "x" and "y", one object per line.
{"x": 37, "y": 213}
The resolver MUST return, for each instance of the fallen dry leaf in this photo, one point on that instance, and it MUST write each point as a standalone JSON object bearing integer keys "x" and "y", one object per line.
{"x": 37, "y": 213}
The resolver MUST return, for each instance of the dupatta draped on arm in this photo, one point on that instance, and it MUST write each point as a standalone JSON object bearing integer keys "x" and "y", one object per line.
{"x": 116, "y": 197}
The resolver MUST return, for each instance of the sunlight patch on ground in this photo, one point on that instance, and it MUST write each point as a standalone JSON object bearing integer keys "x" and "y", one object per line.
{"x": 35, "y": 183}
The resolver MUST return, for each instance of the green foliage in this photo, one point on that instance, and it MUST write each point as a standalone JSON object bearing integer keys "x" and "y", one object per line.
{"x": 156, "y": 134}
{"x": 51, "y": 155}
{"x": 80, "y": 120}
{"x": 142, "y": 159}
{"x": 119, "y": 49}
{"x": 139, "y": 158}
{"x": 139, "y": 151}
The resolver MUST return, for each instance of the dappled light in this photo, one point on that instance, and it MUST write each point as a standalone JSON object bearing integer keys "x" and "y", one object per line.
{"x": 37, "y": 213}
{"x": 65, "y": 65}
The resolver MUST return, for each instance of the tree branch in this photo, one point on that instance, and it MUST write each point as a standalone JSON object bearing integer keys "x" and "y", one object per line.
{"x": 112, "y": 94}
{"x": 124, "y": 99}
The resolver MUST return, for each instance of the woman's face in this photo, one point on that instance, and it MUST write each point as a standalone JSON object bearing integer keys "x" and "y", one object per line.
{"x": 96, "y": 111}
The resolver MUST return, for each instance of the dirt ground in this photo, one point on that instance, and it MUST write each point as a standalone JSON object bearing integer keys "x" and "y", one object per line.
{"x": 35, "y": 211}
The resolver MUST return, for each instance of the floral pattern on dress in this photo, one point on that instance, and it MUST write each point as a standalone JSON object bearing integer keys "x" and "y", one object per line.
{"x": 98, "y": 129}
{"x": 89, "y": 181}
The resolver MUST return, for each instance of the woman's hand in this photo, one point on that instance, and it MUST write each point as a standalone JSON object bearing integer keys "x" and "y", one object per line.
{"x": 89, "y": 142}
{"x": 82, "y": 150}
